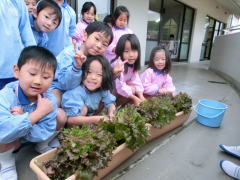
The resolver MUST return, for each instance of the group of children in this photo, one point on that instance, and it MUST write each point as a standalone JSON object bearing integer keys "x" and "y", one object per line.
{"x": 65, "y": 85}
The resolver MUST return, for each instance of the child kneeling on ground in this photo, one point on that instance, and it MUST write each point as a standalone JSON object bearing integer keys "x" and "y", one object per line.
{"x": 27, "y": 108}
{"x": 81, "y": 103}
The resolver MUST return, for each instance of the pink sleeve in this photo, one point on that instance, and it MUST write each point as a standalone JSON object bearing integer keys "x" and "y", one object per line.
{"x": 136, "y": 82}
{"x": 80, "y": 29}
{"x": 169, "y": 84}
{"x": 149, "y": 87}
{"x": 122, "y": 88}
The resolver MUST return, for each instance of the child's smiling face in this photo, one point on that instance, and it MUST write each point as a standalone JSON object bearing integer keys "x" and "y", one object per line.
{"x": 46, "y": 20}
{"x": 34, "y": 78}
{"x": 89, "y": 15}
{"x": 95, "y": 43}
{"x": 93, "y": 76}
{"x": 159, "y": 60}
{"x": 130, "y": 54}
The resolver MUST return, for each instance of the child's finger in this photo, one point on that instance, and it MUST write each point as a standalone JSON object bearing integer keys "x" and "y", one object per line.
{"x": 74, "y": 44}
{"x": 125, "y": 61}
{"x": 84, "y": 58}
{"x": 39, "y": 98}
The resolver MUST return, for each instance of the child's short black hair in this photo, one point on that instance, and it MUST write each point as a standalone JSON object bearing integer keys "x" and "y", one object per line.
{"x": 135, "y": 44}
{"x": 107, "y": 19}
{"x": 87, "y": 6}
{"x": 52, "y": 4}
{"x": 168, "y": 63}
{"x": 37, "y": 54}
{"x": 98, "y": 26}
{"x": 107, "y": 79}
{"x": 118, "y": 11}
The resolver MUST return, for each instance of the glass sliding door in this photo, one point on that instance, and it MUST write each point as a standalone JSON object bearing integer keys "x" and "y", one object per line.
{"x": 186, "y": 34}
{"x": 154, "y": 18}
{"x": 213, "y": 28}
{"x": 170, "y": 25}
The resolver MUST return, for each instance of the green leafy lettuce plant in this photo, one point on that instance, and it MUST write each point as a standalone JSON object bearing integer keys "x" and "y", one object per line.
{"x": 182, "y": 102}
{"x": 158, "y": 111}
{"x": 82, "y": 152}
{"x": 128, "y": 126}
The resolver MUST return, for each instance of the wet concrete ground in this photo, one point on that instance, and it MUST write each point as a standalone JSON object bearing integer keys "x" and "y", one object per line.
{"x": 190, "y": 152}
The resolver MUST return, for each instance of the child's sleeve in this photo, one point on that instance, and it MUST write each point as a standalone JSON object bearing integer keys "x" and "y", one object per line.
{"x": 79, "y": 33}
{"x": 136, "y": 82}
{"x": 46, "y": 126}
{"x": 149, "y": 87}
{"x": 169, "y": 84}
{"x": 108, "y": 98}
{"x": 72, "y": 102}
{"x": 122, "y": 88}
{"x": 14, "y": 127}
{"x": 68, "y": 75}
{"x": 72, "y": 25}
{"x": 24, "y": 25}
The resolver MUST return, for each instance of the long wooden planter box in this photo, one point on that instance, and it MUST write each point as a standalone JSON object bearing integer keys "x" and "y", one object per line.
{"x": 120, "y": 154}
{"x": 179, "y": 120}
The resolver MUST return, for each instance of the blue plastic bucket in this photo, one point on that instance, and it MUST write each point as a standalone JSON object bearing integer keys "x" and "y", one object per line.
{"x": 210, "y": 113}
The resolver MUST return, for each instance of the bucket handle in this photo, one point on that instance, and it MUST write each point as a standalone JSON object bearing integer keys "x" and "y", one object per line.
{"x": 211, "y": 117}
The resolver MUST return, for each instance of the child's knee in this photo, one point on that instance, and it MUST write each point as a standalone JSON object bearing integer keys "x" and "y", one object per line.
{"x": 58, "y": 94}
{"x": 61, "y": 118}
{"x": 13, "y": 145}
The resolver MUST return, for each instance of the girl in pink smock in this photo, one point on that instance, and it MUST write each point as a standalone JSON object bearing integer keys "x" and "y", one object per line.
{"x": 128, "y": 84}
{"x": 156, "y": 79}
{"x": 120, "y": 20}
{"x": 88, "y": 15}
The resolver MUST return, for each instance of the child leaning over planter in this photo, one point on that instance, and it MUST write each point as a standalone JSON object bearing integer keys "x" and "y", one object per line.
{"x": 128, "y": 84}
{"x": 27, "y": 108}
{"x": 156, "y": 79}
{"x": 82, "y": 102}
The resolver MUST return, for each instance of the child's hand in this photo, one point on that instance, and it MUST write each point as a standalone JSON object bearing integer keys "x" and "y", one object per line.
{"x": 79, "y": 57}
{"x": 163, "y": 91}
{"x": 84, "y": 110}
{"x": 113, "y": 50}
{"x": 17, "y": 110}
{"x": 119, "y": 67}
{"x": 106, "y": 118}
{"x": 111, "y": 116}
{"x": 136, "y": 100}
{"x": 44, "y": 105}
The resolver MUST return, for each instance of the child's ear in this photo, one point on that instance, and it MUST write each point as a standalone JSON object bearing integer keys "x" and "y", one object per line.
{"x": 16, "y": 71}
{"x": 34, "y": 13}
{"x": 85, "y": 36}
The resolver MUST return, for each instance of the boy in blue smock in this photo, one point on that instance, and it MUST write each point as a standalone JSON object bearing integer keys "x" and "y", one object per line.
{"x": 27, "y": 107}
{"x": 96, "y": 39}
{"x": 15, "y": 34}
{"x": 61, "y": 36}
{"x": 44, "y": 19}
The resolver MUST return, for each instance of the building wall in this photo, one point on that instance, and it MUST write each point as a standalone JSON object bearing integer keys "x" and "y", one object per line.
{"x": 225, "y": 57}
{"x": 202, "y": 9}
{"x": 139, "y": 14}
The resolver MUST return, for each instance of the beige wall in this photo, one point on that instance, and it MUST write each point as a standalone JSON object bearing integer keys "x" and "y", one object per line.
{"x": 203, "y": 8}
{"x": 225, "y": 58}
